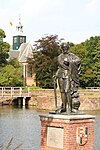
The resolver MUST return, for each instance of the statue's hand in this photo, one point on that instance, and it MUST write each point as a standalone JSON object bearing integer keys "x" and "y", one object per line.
{"x": 54, "y": 77}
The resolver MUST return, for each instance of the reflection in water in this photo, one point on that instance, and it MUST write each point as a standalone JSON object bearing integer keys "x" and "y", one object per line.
{"x": 23, "y": 125}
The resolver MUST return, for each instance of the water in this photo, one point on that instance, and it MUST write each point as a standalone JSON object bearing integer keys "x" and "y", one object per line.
{"x": 23, "y": 125}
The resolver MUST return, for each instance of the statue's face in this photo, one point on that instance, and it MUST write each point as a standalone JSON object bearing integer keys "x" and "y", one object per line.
{"x": 65, "y": 48}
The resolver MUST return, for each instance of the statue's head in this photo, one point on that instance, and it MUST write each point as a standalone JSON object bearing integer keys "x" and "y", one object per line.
{"x": 65, "y": 47}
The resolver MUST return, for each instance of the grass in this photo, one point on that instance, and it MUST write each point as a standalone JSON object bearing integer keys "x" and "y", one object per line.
{"x": 31, "y": 87}
{"x": 91, "y": 95}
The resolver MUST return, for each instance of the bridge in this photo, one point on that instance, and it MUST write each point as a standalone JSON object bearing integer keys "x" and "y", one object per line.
{"x": 14, "y": 95}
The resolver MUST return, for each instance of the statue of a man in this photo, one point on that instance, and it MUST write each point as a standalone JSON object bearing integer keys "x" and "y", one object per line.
{"x": 68, "y": 80}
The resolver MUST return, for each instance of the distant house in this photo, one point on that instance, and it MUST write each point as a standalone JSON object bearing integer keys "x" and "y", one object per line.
{"x": 22, "y": 51}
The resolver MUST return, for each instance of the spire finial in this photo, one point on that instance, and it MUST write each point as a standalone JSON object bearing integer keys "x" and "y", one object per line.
{"x": 19, "y": 17}
{"x": 19, "y": 27}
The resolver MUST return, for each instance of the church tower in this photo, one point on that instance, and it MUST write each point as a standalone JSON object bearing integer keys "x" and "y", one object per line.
{"x": 19, "y": 38}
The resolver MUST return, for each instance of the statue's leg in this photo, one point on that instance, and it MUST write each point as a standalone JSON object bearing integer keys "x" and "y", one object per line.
{"x": 63, "y": 105}
{"x": 69, "y": 108}
{"x": 64, "y": 101}
{"x": 63, "y": 96}
{"x": 67, "y": 87}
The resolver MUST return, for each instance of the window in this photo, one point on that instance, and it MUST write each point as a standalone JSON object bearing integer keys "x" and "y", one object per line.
{"x": 15, "y": 39}
{"x": 21, "y": 39}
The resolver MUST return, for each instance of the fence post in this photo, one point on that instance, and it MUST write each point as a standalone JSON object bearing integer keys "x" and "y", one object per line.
{"x": 11, "y": 92}
{"x": 20, "y": 91}
{"x": 2, "y": 91}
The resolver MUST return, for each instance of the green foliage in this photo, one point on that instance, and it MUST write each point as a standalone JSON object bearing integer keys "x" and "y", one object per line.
{"x": 44, "y": 63}
{"x": 10, "y": 76}
{"x": 89, "y": 52}
{"x": 2, "y": 34}
{"x": 45, "y": 60}
{"x": 10, "y": 72}
{"x": 4, "y": 48}
{"x": 14, "y": 62}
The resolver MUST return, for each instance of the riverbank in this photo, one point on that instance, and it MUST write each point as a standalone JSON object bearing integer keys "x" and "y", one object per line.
{"x": 44, "y": 99}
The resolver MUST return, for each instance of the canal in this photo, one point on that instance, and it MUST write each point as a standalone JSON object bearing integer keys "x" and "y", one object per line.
{"x": 22, "y": 125}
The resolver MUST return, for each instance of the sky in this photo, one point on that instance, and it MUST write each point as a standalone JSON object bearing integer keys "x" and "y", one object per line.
{"x": 73, "y": 20}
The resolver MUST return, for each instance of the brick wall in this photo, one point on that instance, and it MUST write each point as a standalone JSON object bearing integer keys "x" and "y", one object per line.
{"x": 69, "y": 135}
{"x": 44, "y": 99}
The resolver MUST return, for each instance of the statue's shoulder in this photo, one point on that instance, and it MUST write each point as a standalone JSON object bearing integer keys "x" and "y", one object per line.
{"x": 71, "y": 54}
{"x": 60, "y": 55}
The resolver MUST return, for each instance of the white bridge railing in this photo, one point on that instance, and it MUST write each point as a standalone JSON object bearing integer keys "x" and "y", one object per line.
{"x": 14, "y": 92}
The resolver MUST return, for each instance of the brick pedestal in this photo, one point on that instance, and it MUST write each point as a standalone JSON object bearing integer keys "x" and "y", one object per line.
{"x": 67, "y": 132}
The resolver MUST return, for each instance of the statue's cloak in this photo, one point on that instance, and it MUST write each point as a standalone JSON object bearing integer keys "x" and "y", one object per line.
{"x": 73, "y": 66}
{"x": 74, "y": 62}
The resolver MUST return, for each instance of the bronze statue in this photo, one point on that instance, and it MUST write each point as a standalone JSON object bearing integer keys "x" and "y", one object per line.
{"x": 68, "y": 80}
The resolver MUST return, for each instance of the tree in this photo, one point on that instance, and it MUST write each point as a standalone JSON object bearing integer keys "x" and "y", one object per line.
{"x": 89, "y": 52}
{"x": 80, "y": 51}
{"x": 45, "y": 60}
{"x": 10, "y": 72}
{"x": 96, "y": 67}
{"x": 10, "y": 76}
{"x": 92, "y": 72}
{"x": 4, "y": 48}
{"x": 2, "y": 35}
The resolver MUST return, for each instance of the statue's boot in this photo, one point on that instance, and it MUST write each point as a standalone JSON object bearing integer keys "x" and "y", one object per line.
{"x": 60, "y": 110}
